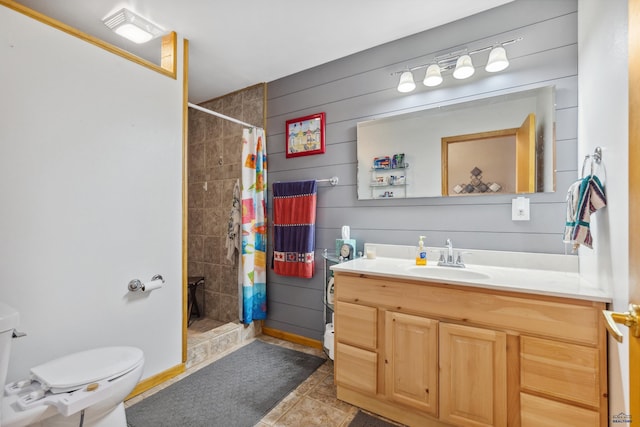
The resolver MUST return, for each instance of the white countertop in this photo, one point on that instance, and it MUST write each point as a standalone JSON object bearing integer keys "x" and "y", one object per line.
{"x": 541, "y": 274}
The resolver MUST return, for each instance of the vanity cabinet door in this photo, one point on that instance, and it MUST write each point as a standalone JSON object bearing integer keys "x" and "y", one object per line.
{"x": 473, "y": 376}
{"x": 411, "y": 361}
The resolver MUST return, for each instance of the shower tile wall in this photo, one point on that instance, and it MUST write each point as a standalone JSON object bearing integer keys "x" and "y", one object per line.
{"x": 214, "y": 165}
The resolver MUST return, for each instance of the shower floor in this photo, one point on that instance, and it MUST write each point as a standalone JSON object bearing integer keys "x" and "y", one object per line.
{"x": 204, "y": 324}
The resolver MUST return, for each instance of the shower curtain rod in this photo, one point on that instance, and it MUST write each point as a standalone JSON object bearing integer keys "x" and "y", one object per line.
{"x": 222, "y": 116}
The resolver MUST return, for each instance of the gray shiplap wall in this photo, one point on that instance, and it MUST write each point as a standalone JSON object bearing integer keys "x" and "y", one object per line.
{"x": 360, "y": 87}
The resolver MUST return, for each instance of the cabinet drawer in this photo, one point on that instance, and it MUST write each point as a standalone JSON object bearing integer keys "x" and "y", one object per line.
{"x": 356, "y": 368}
{"x": 540, "y": 412}
{"x": 356, "y": 324}
{"x": 562, "y": 370}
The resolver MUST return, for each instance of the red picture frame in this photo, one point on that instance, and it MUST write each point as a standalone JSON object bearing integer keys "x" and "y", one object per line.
{"x": 305, "y": 135}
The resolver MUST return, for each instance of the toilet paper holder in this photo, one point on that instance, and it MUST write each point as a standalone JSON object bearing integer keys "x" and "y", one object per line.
{"x": 136, "y": 285}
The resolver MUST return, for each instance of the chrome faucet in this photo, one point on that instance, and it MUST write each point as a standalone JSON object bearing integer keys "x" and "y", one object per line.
{"x": 449, "y": 260}
{"x": 449, "y": 251}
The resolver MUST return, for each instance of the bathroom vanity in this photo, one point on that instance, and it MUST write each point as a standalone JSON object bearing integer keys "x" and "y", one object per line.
{"x": 481, "y": 346}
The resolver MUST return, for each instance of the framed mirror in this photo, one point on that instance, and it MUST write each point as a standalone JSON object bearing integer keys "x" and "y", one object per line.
{"x": 447, "y": 150}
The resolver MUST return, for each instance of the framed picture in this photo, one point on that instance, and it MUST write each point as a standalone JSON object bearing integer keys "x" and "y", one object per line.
{"x": 305, "y": 135}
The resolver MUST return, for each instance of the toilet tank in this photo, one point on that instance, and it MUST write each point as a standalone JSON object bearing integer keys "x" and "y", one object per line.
{"x": 8, "y": 322}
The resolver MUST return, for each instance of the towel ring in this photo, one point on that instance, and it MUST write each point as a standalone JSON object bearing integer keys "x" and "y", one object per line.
{"x": 596, "y": 158}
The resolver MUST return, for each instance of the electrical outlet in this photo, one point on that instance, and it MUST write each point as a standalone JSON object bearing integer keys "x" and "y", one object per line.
{"x": 520, "y": 209}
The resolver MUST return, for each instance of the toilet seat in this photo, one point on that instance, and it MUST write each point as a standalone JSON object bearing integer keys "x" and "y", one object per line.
{"x": 76, "y": 381}
{"x": 76, "y": 370}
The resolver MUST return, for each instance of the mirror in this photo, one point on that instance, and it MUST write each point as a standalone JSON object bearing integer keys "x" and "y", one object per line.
{"x": 461, "y": 149}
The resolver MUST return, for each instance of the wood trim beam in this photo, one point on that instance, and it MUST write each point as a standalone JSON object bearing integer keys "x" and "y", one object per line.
{"x": 170, "y": 71}
{"x": 634, "y": 197}
{"x": 169, "y": 53}
{"x": 185, "y": 196}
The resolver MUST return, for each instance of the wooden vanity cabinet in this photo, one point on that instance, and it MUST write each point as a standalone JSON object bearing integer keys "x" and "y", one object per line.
{"x": 430, "y": 354}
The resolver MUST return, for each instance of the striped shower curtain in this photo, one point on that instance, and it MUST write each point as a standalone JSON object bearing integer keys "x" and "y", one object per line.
{"x": 254, "y": 225}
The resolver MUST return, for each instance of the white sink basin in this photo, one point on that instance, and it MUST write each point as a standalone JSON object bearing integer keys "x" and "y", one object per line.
{"x": 450, "y": 273}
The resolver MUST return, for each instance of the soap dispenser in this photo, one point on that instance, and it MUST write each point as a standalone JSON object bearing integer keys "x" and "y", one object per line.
{"x": 421, "y": 253}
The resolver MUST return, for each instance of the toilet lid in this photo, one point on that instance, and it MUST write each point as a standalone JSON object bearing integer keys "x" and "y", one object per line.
{"x": 75, "y": 370}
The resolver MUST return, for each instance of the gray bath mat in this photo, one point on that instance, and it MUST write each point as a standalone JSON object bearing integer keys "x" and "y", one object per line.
{"x": 235, "y": 391}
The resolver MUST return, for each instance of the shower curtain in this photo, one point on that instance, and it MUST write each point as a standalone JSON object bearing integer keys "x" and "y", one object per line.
{"x": 254, "y": 225}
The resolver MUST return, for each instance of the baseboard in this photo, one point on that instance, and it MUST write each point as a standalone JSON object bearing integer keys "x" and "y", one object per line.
{"x": 287, "y": 336}
{"x": 155, "y": 380}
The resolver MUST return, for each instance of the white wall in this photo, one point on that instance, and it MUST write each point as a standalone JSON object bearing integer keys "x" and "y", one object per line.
{"x": 603, "y": 121}
{"x": 90, "y": 191}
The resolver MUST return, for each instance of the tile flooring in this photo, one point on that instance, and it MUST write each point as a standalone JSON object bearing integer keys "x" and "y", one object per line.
{"x": 312, "y": 403}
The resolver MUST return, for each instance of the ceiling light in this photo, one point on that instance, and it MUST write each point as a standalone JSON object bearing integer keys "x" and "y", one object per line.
{"x": 132, "y": 26}
{"x": 406, "y": 82}
{"x": 464, "y": 67}
{"x": 497, "y": 60}
{"x": 432, "y": 76}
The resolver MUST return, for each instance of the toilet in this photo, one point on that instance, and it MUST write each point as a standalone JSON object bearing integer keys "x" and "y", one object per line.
{"x": 87, "y": 388}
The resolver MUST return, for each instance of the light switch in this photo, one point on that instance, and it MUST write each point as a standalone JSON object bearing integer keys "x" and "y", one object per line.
{"x": 520, "y": 209}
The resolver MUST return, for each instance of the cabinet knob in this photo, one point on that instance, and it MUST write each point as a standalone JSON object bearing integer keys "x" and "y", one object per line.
{"x": 629, "y": 318}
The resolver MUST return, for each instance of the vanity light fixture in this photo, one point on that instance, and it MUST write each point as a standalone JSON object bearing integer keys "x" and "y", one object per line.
{"x": 132, "y": 26}
{"x": 460, "y": 62}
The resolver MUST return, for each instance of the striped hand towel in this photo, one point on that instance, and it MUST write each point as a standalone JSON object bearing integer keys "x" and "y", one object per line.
{"x": 584, "y": 197}
{"x": 294, "y": 228}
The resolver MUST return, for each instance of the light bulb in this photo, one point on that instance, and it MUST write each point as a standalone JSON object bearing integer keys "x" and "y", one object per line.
{"x": 432, "y": 76}
{"x": 464, "y": 68}
{"x": 497, "y": 60}
{"x": 406, "y": 83}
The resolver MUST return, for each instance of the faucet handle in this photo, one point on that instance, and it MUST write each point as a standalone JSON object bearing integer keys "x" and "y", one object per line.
{"x": 459, "y": 258}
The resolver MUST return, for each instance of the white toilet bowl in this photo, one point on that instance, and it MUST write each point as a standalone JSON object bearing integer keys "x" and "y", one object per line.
{"x": 86, "y": 388}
